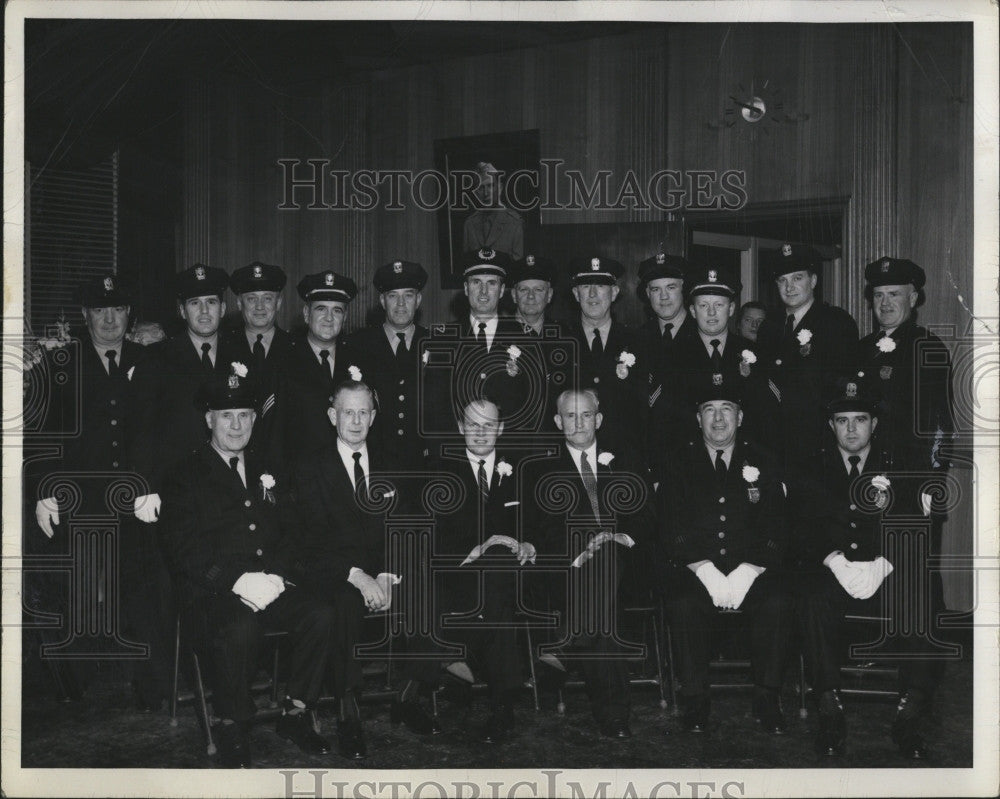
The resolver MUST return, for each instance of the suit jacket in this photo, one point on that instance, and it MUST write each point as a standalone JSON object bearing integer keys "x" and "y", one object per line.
{"x": 914, "y": 383}
{"x": 335, "y": 533}
{"x": 213, "y": 529}
{"x": 395, "y": 433}
{"x": 806, "y": 375}
{"x": 170, "y": 419}
{"x": 728, "y": 522}
{"x": 304, "y": 396}
{"x": 624, "y": 401}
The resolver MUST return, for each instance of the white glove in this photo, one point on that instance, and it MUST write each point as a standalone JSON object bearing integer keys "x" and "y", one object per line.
{"x": 386, "y": 580}
{"x": 526, "y": 552}
{"x": 851, "y": 575}
{"x": 716, "y": 583}
{"x": 147, "y": 508}
{"x": 740, "y": 580}
{"x": 257, "y": 589}
{"x": 369, "y": 588}
{"x": 47, "y": 514}
{"x": 875, "y": 573}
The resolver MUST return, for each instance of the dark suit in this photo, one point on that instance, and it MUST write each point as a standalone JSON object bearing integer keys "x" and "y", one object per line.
{"x": 834, "y": 516}
{"x": 396, "y": 432}
{"x": 624, "y": 402}
{"x": 806, "y": 375}
{"x": 485, "y": 591}
{"x": 214, "y": 530}
{"x": 914, "y": 382}
{"x": 728, "y": 524}
{"x": 560, "y": 521}
{"x": 500, "y": 229}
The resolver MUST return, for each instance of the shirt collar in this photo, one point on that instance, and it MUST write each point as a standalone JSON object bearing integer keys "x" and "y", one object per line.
{"x": 861, "y": 463}
{"x": 721, "y": 337}
{"x": 197, "y": 341}
{"x": 347, "y": 456}
{"x": 677, "y": 322}
{"x": 331, "y": 347}
{"x": 268, "y": 337}
{"x": 798, "y": 313}
{"x": 588, "y": 331}
{"x": 488, "y": 466}
{"x": 727, "y": 452}
{"x": 591, "y": 451}
{"x": 390, "y": 334}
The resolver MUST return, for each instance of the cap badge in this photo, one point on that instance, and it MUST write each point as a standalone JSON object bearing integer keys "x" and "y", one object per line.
{"x": 852, "y": 390}
{"x": 661, "y": 258}
{"x": 595, "y": 264}
{"x": 397, "y": 267}
{"x": 530, "y": 260}
{"x": 109, "y": 284}
{"x": 786, "y": 250}
{"x": 234, "y": 381}
{"x": 885, "y": 265}
{"x": 199, "y": 273}
{"x": 328, "y": 278}
{"x": 258, "y": 273}
{"x": 712, "y": 276}
{"x": 487, "y": 254}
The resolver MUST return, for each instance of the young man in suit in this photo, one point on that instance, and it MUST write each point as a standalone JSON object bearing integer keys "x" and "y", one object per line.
{"x": 388, "y": 355}
{"x": 223, "y": 528}
{"x": 483, "y": 591}
{"x": 806, "y": 348}
{"x": 845, "y": 516}
{"x": 587, "y": 538}
{"x": 723, "y": 527}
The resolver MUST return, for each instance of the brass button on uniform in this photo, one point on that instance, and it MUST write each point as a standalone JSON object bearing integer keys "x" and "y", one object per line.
{"x": 114, "y": 422}
{"x": 402, "y": 397}
{"x": 597, "y": 380}
{"x": 854, "y": 507}
{"x": 401, "y": 414}
{"x": 721, "y": 500}
{"x": 853, "y": 545}
{"x": 247, "y": 503}
{"x": 114, "y": 443}
{"x": 260, "y": 552}
{"x": 722, "y": 517}
{"x": 853, "y": 525}
{"x": 115, "y": 464}
{"x": 722, "y": 535}
{"x": 252, "y": 527}
{"x": 722, "y": 551}
{"x": 114, "y": 402}
{"x": 399, "y": 432}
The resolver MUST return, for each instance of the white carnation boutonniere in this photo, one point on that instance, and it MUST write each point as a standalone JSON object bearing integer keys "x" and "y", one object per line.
{"x": 513, "y": 353}
{"x": 33, "y": 348}
{"x": 747, "y": 359}
{"x": 886, "y": 344}
{"x": 266, "y": 484}
{"x": 625, "y": 362}
{"x": 605, "y": 458}
{"x": 881, "y": 484}
{"x": 238, "y": 369}
{"x": 804, "y": 337}
{"x": 751, "y": 474}
{"x": 354, "y": 372}
{"x": 425, "y": 357}
{"x": 130, "y": 372}
{"x": 504, "y": 469}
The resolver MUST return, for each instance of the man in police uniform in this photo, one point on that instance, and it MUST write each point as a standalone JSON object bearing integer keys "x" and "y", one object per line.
{"x": 846, "y": 565}
{"x": 319, "y": 361}
{"x": 259, "y": 343}
{"x": 910, "y": 365}
{"x": 389, "y": 358}
{"x": 661, "y": 281}
{"x": 608, "y": 354}
{"x": 87, "y": 416}
{"x": 531, "y": 280}
{"x": 723, "y": 526}
{"x": 224, "y": 537}
{"x": 493, "y": 227}
{"x": 718, "y": 356}
{"x": 806, "y": 348}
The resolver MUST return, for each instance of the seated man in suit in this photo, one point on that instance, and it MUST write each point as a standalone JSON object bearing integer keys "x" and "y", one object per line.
{"x": 483, "y": 530}
{"x": 221, "y": 520}
{"x": 723, "y": 526}
{"x": 586, "y": 509}
{"x": 847, "y": 566}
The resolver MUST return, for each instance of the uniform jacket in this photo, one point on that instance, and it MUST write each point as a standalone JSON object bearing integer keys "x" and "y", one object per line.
{"x": 703, "y": 520}
{"x": 914, "y": 382}
{"x": 213, "y": 529}
{"x": 396, "y": 430}
{"x": 170, "y": 419}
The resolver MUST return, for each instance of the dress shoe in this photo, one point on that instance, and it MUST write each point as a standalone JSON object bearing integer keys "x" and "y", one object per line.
{"x": 498, "y": 727}
{"x": 299, "y": 730}
{"x": 619, "y": 730}
{"x": 767, "y": 711}
{"x": 234, "y": 744}
{"x": 695, "y": 718}
{"x": 415, "y": 718}
{"x": 905, "y": 729}
{"x": 831, "y": 738}
{"x": 351, "y": 739}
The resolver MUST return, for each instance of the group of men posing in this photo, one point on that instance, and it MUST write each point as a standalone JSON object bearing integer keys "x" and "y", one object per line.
{"x": 553, "y": 471}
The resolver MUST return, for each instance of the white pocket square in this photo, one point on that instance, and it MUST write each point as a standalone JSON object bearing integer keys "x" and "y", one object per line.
{"x": 511, "y": 504}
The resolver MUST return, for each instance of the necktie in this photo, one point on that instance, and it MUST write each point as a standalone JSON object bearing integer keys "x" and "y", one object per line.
{"x": 206, "y": 361}
{"x": 590, "y": 484}
{"x": 258, "y": 351}
{"x": 112, "y": 364}
{"x": 786, "y": 334}
{"x": 324, "y": 357}
{"x": 360, "y": 485}
{"x": 596, "y": 347}
{"x": 234, "y": 463}
{"x": 854, "y": 460}
{"x": 481, "y": 336}
{"x": 720, "y": 464}
{"x": 401, "y": 347}
{"x": 667, "y": 337}
{"x": 484, "y": 484}
{"x": 716, "y": 356}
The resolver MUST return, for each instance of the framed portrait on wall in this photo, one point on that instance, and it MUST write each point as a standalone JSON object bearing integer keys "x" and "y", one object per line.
{"x": 493, "y": 197}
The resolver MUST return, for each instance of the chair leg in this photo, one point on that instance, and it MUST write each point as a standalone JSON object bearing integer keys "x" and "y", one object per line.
{"x": 204, "y": 707}
{"x": 177, "y": 668}
{"x": 531, "y": 665}
{"x": 803, "y": 710}
{"x": 659, "y": 665}
{"x": 672, "y": 685}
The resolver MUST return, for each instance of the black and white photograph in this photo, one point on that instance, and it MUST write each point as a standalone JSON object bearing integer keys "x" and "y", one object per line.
{"x": 500, "y": 399}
